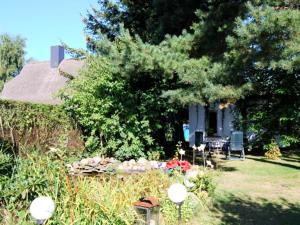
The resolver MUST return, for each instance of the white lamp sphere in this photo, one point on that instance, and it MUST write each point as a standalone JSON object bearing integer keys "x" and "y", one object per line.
{"x": 177, "y": 193}
{"x": 42, "y": 208}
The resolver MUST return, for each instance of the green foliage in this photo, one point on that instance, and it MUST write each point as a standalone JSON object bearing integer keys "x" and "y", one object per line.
{"x": 201, "y": 82}
{"x": 29, "y": 180}
{"x": 25, "y": 115}
{"x": 243, "y": 52}
{"x": 264, "y": 50}
{"x": 98, "y": 100}
{"x": 215, "y": 24}
{"x": 118, "y": 98}
{"x": 11, "y": 57}
{"x": 86, "y": 200}
{"x": 170, "y": 211}
{"x": 272, "y": 150}
{"x": 35, "y": 124}
{"x": 6, "y": 163}
{"x": 149, "y": 19}
{"x": 203, "y": 183}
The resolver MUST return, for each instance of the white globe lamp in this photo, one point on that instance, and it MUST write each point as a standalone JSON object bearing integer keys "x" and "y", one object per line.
{"x": 177, "y": 193}
{"x": 41, "y": 209}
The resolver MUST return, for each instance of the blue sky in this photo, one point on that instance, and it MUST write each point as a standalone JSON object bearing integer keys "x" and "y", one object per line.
{"x": 44, "y": 23}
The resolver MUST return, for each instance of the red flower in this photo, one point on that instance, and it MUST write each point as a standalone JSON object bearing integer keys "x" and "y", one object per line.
{"x": 172, "y": 164}
{"x": 184, "y": 165}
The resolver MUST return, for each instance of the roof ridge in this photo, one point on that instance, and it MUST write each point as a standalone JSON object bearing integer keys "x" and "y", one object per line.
{"x": 37, "y": 62}
{"x": 48, "y": 61}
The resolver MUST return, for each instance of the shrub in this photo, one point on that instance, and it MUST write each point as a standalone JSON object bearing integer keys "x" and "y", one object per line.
{"x": 28, "y": 124}
{"x": 5, "y": 170}
{"x": 203, "y": 183}
{"x": 32, "y": 177}
{"x": 5, "y": 163}
{"x": 272, "y": 150}
{"x": 113, "y": 117}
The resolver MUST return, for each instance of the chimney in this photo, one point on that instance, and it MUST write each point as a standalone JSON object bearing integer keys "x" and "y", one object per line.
{"x": 57, "y": 55}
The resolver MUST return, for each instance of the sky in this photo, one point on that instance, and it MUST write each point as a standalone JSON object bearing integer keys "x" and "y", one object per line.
{"x": 44, "y": 23}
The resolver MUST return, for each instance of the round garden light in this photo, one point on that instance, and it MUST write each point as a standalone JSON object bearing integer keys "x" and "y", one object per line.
{"x": 177, "y": 193}
{"x": 42, "y": 209}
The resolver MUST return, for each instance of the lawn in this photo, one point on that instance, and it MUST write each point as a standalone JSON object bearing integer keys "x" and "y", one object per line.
{"x": 257, "y": 191}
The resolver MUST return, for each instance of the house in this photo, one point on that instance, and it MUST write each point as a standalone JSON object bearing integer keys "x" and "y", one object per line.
{"x": 39, "y": 82}
{"x": 215, "y": 120}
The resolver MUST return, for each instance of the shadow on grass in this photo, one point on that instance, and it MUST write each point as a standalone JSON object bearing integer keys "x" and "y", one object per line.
{"x": 236, "y": 210}
{"x": 292, "y": 156}
{"x": 291, "y": 159}
{"x": 227, "y": 168}
{"x": 280, "y": 163}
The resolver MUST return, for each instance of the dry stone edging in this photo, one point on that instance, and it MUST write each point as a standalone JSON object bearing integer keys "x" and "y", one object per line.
{"x": 99, "y": 165}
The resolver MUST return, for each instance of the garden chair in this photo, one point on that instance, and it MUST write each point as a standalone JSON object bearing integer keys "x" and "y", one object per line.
{"x": 236, "y": 145}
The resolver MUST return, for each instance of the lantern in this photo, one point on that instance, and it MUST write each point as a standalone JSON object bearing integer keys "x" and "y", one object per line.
{"x": 148, "y": 211}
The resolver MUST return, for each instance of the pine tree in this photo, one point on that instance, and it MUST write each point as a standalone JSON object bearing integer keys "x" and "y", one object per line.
{"x": 264, "y": 51}
{"x": 150, "y": 19}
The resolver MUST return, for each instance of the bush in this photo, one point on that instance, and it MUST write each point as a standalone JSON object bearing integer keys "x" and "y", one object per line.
{"x": 28, "y": 124}
{"x": 273, "y": 151}
{"x": 112, "y": 116}
{"x": 32, "y": 176}
{"x": 5, "y": 170}
{"x": 203, "y": 183}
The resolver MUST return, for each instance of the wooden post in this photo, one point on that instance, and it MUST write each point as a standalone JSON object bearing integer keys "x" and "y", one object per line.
{"x": 2, "y": 129}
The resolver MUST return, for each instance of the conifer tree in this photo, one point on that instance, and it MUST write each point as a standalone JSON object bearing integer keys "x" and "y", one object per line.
{"x": 150, "y": 19}
{"x": 264, "y": 51}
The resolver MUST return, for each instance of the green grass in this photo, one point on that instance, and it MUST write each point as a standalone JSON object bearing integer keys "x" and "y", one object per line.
{"x": 257, "y": 191}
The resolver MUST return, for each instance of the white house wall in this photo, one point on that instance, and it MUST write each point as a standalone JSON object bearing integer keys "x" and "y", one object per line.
{"x": 219, "y": 122}
{"x": 193, "y": 125}
{"x": 224, "y": 127}
{"x": 228, "y": 121}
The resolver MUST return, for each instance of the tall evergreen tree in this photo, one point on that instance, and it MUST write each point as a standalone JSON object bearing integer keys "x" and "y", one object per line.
{"x": 150, "y": 19}
{"x": 264, "y": 51}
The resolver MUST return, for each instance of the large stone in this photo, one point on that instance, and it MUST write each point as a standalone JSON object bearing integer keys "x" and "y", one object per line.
{"x": 142, "y": 161}
{"x": 84, "y": 162}
{"x": 97, "y": 159}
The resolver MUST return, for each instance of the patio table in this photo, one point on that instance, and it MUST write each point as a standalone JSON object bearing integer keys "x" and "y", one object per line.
{"x": 215, "y": 143}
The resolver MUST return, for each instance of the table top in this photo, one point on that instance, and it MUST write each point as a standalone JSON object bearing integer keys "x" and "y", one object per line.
{"x": 215, "y": 139}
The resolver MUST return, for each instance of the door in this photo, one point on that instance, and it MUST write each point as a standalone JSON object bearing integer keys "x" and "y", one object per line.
{"x": 212, "y": 123}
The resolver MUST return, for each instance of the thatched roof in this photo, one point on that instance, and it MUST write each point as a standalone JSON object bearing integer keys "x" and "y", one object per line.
{"x": 39, "y": 83}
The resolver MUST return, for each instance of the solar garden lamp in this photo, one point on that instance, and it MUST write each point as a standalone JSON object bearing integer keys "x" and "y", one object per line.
{"x": 148, "y": 211}
{"x": 177, "y": 193}
{"x": 181, "y": 152}
{"x": 41, "y": 209}
{"x": 201, "y": 148}
{"x": 194, "y": 154}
